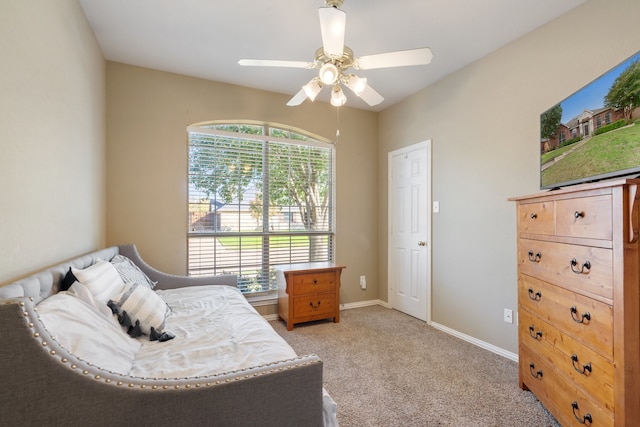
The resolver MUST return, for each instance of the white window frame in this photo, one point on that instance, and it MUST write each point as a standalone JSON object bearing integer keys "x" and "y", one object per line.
{"x": 268, "y": 289}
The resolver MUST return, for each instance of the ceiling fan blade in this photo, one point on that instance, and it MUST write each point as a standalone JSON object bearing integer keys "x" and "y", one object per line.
{"x": 297, "y": 99}
{"x": 275, "y": 63}
{"x": 370, "y": 96}
{"x": 400, "y": 58}
{"x": 332, "y": 26}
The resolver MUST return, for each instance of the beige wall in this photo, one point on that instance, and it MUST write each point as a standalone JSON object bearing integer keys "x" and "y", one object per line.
{"x": 52, "y": 136}
{"x": 147, "y": 115}
{"x": 484, "y": 123}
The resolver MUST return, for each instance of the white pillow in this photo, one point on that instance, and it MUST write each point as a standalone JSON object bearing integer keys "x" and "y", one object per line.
{"x": 102, "y": 279}
{"x": 80, "y": 291}
{"x": 144, "y": 305}
{"x": 88, "y": 334}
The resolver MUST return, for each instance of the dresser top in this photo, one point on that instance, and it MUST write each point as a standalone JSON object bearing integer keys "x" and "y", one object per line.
{"x": 581, "y": 187}
{"x": 309, "y": 266}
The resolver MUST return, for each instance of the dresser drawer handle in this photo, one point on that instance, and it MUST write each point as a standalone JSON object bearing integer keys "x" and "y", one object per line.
{"x": 578, "y": 214}
{"x": 534, "y": 258}
{"x": 586, "y": 419}
{"x": 586, "y": 265}
{"x": 314, "y": 306}
{"x": 534, "y": 373}
{"x": 536, "y": 297}
{"x": 533, "y": 216}
{"x": 315, "y": 281}
{"x": 579, "y": 318}
{"x": 583, "y": 370}
{"x": 537, "y": 335}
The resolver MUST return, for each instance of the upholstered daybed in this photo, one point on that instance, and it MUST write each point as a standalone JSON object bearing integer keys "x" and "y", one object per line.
{"x": 76, "y": 357}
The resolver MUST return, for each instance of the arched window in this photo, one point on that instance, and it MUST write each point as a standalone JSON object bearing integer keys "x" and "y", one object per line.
{"x": 259, "y": 196}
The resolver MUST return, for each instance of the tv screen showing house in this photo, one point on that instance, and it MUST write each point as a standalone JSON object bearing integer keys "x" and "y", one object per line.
{"x": 594, "y": 134}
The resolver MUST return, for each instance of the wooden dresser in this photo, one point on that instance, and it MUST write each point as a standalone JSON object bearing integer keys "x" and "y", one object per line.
{"x": 578, "y": 302}
{"x": 308, "y": 291}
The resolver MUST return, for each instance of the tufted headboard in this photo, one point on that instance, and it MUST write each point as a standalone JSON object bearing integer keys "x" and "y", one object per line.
{"x": 46, "y": 282}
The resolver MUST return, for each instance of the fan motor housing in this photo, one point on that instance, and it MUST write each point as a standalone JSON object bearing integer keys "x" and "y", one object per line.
{"x": 342, "y": 62}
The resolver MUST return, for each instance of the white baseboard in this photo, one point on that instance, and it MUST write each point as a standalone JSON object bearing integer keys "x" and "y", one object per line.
{"x": 492, "y": 348}
{"x": 364, "y": 304}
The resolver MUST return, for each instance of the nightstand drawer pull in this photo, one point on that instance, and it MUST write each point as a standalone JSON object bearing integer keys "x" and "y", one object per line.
{"x": 534, "y": 373}
{"x": 584, "y": 420}
{"x": 315, "y": 281}
{"x": 581, "y": 319}
{"x": 314, "y": 306}
{"x": 583, "y": 370}
{"x": 586, "y": 265}
{"x": 535, "y": 296}
{"x": 534, "y": 258}
{"x": 533, "y": 216}
{"x": 578, "y": 214}
{"x": 535, "y": 336}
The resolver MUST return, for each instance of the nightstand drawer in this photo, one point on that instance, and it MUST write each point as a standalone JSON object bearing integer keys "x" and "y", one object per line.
{"x": 318, "y": 305}
{"x": 311, "y": 283}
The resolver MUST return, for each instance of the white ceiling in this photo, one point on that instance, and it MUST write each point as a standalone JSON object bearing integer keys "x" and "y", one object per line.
{"x": 206, "y": 38}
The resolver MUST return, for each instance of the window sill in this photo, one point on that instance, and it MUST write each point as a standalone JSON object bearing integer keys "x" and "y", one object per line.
{"x": 263, "y": 299}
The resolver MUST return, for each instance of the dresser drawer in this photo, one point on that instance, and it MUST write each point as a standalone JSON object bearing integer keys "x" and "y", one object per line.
{"x": 588, "y": 321}
{"x": 573, "y": 266}
{"x": 536, "y": 218}
{"x": 310, "y": 283}
{"x": 312, "y": 306}
{"x": 588, "y": 217}
{"x": 585, "y": 367}
{"x": 572, "y": 406}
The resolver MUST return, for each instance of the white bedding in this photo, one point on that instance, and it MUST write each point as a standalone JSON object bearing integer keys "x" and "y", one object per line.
{"x": 215, "y": 331}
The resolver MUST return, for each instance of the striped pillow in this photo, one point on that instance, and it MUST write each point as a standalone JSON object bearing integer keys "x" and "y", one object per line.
{"x": 102, "y": 280}
{"x": 144, "y": 305}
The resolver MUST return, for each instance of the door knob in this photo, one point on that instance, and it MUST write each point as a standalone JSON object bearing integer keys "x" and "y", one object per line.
{"x": 422, "y": 243}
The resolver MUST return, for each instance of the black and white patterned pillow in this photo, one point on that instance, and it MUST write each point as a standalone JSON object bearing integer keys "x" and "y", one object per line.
{"x": 131, "y": 273}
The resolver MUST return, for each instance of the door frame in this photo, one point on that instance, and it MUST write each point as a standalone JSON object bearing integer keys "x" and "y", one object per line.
{"x": 426, "y": 144}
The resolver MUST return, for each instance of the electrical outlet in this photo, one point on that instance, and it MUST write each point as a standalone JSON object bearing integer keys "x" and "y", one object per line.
{"x": 363, "y": 282}
{"x": 508, "y": 315}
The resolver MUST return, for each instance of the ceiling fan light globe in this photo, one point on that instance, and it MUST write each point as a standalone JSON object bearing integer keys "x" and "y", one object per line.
{"x": 329, "y": 73}
{"x": 338, "y": 98}
{"x": 312, "y": 89}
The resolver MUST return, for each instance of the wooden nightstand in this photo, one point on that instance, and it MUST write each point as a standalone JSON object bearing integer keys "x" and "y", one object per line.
{"x": 308, "y": 291}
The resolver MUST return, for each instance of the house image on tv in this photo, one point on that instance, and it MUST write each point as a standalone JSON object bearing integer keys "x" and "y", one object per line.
{"x": 214, "y": 216}
{"x": 582, "y": 126}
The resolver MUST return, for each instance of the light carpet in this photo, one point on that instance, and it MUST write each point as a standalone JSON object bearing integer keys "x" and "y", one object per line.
{"x": 385, "y": 368}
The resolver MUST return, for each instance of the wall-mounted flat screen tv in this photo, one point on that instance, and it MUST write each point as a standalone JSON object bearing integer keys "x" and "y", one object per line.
{"x": 594, "y": 134}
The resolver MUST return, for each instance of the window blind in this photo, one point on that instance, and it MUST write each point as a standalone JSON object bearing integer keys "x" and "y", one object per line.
{"x": 258, "y": 197}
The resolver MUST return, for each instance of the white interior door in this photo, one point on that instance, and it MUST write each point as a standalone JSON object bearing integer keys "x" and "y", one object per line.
{"x": 409, "y": 260}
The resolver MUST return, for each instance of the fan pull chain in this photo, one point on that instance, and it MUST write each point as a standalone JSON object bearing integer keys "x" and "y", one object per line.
{"x": 337, "y": 123}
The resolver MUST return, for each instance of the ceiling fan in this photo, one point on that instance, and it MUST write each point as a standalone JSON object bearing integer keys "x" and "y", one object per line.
{"x": 334, "y": 60}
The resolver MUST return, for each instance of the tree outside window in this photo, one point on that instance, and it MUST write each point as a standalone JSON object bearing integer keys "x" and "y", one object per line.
{"x": 231, "y": 168}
